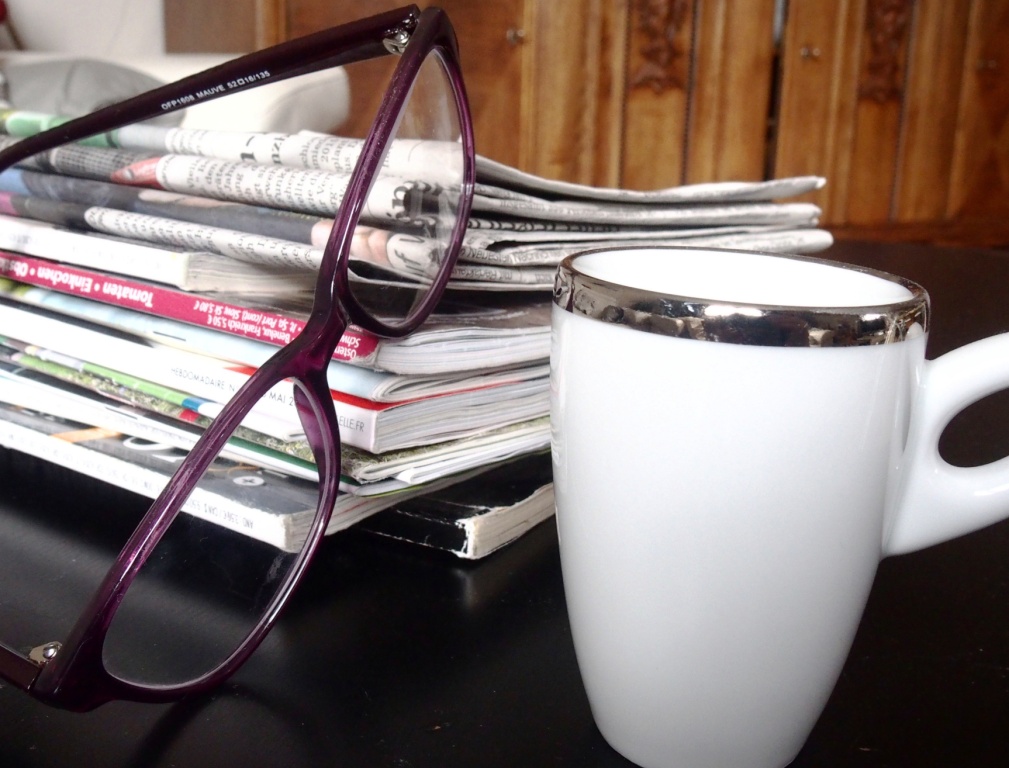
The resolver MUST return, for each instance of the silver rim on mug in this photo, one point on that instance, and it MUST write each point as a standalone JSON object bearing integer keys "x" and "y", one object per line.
{"x": 740, "y": 322}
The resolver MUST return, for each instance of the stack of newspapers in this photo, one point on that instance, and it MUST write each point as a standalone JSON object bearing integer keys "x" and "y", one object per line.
{"x": 143, "y": 277}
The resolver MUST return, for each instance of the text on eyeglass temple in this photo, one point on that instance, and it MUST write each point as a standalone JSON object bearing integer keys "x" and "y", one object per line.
{"x": 216, "y": 89}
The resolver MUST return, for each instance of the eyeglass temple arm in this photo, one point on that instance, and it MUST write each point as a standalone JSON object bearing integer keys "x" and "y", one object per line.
{"x": 17, "y": 669}
{"x": 345, "y": 44}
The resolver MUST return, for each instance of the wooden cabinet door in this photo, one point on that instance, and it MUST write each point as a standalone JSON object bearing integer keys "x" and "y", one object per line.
{"x": 495, "y": 49}
{"x": 492, "y": 64}
{"x": 697, "y": 83}
{"x": 932, "y": 104}
{"x": 640, "y": 93}
{"x": 532, "y": 70}
{"x": 818, "y": 114}
{"x": 902, "y": 105}
{"x": 979, "y": 183}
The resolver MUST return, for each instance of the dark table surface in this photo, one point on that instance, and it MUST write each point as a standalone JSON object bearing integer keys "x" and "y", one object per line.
{"x": 394, "y": 656}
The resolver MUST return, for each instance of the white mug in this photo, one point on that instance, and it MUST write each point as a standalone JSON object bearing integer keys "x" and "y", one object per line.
{"x": 738, "y": 439}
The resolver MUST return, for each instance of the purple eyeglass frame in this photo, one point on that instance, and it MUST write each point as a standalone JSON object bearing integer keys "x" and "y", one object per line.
{"x": 73, "y": 675}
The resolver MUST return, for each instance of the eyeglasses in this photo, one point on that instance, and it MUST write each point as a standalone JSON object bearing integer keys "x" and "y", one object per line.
{"x": 139, "y": 637}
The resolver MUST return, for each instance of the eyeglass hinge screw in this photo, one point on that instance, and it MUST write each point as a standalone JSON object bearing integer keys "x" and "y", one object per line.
{"x": 397, "y": 41}
{"x": 44, "y": 653}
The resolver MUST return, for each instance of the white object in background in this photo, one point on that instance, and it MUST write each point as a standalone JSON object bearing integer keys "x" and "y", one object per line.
{"x": 99, "y": 28}
{"x": 131, "y": 33}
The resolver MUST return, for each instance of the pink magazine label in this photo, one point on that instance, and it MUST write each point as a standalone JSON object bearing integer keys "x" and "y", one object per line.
{"x": 189, "y": 308}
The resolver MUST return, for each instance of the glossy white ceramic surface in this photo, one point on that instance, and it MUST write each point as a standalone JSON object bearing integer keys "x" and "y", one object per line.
{"x": 722, "y": 509}
{"x": 738, "y": 276}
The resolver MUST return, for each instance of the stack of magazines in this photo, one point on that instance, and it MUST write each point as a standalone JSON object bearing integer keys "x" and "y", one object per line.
{"x": 142, "y": 281}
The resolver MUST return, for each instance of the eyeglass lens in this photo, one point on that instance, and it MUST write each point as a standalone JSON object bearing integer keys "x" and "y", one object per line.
{"x": 216, "y": 571}
{"x": 413, "y": 205}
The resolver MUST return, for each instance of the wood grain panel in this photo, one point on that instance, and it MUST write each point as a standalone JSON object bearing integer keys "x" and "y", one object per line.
{"x": 492, "y": 63}
{"x": 271, "y": 22}
{"x": 815, "y": 122}
{"x": 196, "y": 26}
{"x": 660, "y": 38}
{"x": 731, "y": 90}
{"x": 877, "y": 119}
{"x": 564, "y": 82}
{"x": 980, "y": 178}
{"x": 610, "y": 95}
{"x": 935, "y": 74}
{"x": 494, "y": 57}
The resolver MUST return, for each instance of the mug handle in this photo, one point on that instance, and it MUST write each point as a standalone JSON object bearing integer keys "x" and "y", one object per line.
{"x": 937, "y": 501}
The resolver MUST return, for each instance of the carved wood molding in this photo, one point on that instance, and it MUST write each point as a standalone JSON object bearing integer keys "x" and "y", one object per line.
{"x": 887, "y": 24}
{"x": 659, "y": 23}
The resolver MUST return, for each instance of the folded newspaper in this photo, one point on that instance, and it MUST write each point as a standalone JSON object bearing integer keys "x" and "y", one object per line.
{"x": 153, "y": 184}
